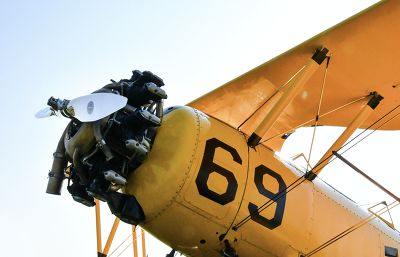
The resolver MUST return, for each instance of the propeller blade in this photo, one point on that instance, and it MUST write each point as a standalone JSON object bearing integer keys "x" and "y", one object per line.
{"x": 95, "y": 106}
{"x": 44, "y": 113}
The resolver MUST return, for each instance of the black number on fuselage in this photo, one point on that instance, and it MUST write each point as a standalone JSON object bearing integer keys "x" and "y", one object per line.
{"x": 208, "y": 166}
{"x": 260, "y": 172}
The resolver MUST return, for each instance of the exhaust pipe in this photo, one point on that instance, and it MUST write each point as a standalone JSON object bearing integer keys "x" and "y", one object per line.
{"x": 56, "y": 175}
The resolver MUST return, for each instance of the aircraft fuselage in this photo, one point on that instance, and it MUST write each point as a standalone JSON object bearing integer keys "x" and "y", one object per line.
{"x": 201, "y": 179}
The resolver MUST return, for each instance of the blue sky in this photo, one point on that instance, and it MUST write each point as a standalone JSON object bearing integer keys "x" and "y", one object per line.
{"x": 70, "y": 48}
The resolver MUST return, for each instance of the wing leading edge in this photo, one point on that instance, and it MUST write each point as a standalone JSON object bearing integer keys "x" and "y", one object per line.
{"x": 365, "y": 58}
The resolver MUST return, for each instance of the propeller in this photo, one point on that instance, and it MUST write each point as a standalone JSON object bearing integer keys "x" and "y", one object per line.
{"x": 85, "y": 108}
{"x": 45, "y": 112}
{"x": 95, "y": 106}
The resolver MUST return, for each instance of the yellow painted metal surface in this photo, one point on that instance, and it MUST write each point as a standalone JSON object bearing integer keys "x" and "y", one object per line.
{"x": 98, "y": 226}
{"x": 134, "y": 241}
{"x": 293, "y": 232}
{"x": 358, "y": 120}
{"x": 291, "y": 89}
{"x": 201, "y": 184}
{"x": 111, "y": 236}
{"x": 365, "y": 58}
{"x": 200, "y": 179}
{"x": 143, "y": 242}
{"x": 165, "y": 183}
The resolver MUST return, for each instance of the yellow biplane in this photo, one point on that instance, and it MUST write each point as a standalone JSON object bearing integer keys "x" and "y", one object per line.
{"x": 210, "y": 167}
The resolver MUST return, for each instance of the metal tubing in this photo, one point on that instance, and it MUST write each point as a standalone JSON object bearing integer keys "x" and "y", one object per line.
{"x": 129, "y": 108}
{"x": 366, "y": 176}
{"x": 101, "y": 143}
{"x": 134, "y": 241}
{"x": 292, "y": 88}
{"x": 111, "y": 236}
{"x": 160, "y": 110}
{"x": 143, "y": 243}
{"x": 98, "y": 227}
{"x": 355, "y": 124}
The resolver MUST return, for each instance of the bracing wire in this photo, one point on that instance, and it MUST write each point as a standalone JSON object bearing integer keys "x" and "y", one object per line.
{"x": 262, "y": 105}
{"x": 301, "y": 179}
{"x": 318, "y": 109}
{"x": 241, "y": 201}
{"x": 123, "y": 250}
{"x": 123, "y": 242}
{"x": 351, "y": 229}
{"x": 362, "y": 132}
{"x": 259, "y": 107}
{"x": 310, "y": 121}
{"x": 372, "y": 131}
{"x": 271, "y": 201}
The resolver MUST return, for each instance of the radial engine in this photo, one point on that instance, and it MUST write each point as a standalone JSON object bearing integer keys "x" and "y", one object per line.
{"x": 110, "y": 134}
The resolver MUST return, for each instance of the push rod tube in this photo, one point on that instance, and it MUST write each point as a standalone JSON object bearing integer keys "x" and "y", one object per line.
{"x": 355, "y": 124}
{"x": 101, "y": 143}
{"x": 292, "y": 88}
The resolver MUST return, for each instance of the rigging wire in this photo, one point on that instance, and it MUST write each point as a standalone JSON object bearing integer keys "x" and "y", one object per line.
{"x": 319, "y": 108}
{"x": 261, "y": 106}
{"x": 270, "y": 202}
{"x": 351, "y": 229}
{"x": 123, "y": 250}
{"x": 118, "y": 246}
{"x": 362, "y": 132}
{"x": 309, "y": 121}
{"x": 241, "y": 201}
{"x": 372, "y": 131}
{"x": 301, "y": 179}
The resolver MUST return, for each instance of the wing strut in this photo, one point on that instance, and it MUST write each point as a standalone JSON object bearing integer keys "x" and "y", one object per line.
{"x": 111, "y": 236}
{"x": 143, "y": 244}
{"x": 104, "y": 252}
{"x": 98, "y": 229}
{"x": 292, "y": 88}
{"x": 134, "y": 241}
{"x": 358, "y": 120}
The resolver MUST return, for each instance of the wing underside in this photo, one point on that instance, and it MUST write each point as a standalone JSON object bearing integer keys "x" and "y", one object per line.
{"x": 365, "y": 57}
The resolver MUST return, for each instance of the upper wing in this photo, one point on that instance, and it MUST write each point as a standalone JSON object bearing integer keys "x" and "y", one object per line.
{"x": 365, "y": 58}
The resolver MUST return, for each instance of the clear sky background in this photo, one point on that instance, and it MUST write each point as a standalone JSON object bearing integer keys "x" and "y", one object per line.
{"x": 70, "y": 48}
